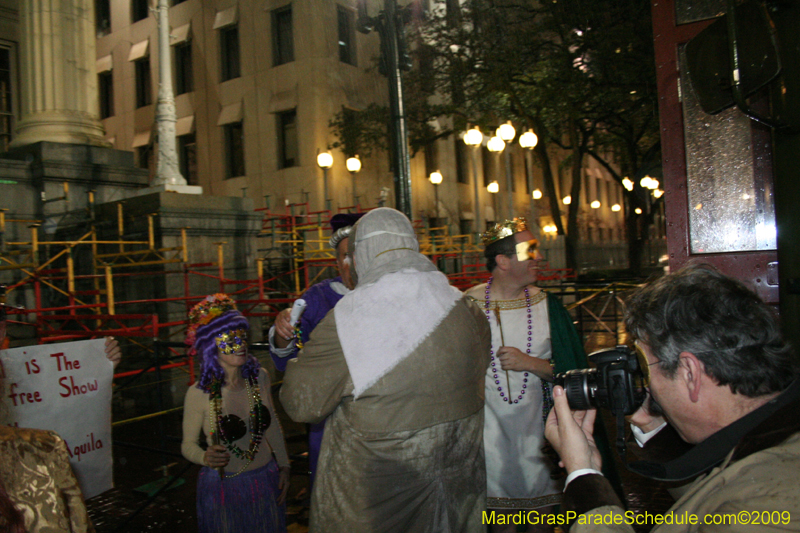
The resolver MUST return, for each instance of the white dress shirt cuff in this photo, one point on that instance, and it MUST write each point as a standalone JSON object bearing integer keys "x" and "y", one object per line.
{"x": 579, "y": 473}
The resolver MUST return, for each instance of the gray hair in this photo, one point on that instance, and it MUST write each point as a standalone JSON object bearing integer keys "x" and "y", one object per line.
{"x": 718, "y": 319}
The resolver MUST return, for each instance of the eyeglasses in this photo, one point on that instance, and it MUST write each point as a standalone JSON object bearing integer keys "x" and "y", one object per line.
{"x": 644, "y": 365}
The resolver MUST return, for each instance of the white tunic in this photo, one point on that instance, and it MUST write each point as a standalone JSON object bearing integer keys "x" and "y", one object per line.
{"x": 518, "y": 474}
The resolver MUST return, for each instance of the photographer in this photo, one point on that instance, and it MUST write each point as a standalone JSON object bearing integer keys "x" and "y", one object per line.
{"x": 725, "y": 380}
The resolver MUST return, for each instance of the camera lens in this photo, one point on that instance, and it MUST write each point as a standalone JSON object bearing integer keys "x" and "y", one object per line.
{"x": 580, "y": 386}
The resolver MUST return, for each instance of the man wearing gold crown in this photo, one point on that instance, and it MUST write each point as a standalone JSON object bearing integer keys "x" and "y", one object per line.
{"x": 532, "y": 336}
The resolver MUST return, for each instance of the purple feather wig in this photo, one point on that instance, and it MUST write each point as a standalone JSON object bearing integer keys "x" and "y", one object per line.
{"x": 206, "y": 348}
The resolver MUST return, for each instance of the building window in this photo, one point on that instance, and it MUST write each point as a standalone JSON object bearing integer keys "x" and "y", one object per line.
{"x": 234, "y": 150}
{"x": 187, "y": 158}
{"x": 102, "y": 17}
{"x": 144, "y": 157}
{"x": 105, "y": 86}
{"x": 287, "y": 139}
{"x": 229, "y": 52}
{"x": 6, "y": 109}
{"x": 282, "y": 36}
{"x": 461, "y": 161}
{"x": 184, "y": 76}
{"x": 143, "y": 89}
{"x": 139, "y": 10}
{"x": 347, "y": 35}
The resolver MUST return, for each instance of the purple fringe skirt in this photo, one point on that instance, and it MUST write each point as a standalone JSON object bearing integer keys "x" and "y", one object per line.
{"x": 245, "y": 503}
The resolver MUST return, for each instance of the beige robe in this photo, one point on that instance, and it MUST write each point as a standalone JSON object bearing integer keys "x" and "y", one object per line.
{"x": 408, "y": 454}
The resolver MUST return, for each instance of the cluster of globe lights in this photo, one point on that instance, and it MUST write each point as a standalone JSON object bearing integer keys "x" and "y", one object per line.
{"x": 325, "y": 160}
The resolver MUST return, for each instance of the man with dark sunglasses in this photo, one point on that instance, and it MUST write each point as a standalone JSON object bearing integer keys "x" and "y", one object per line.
{"x": 722, "y": 376}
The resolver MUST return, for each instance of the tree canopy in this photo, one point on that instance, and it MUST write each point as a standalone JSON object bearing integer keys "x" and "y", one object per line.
{"x": 580, "y": 73}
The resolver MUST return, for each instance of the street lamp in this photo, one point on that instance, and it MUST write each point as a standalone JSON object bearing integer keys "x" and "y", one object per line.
{"x": 474, "y": 138}
{"x": 627, "y": 183}
{"x": 567, "y": 200}
{"x": 616, "y": 207}
{"x": 353, "y": 164}
{"x": 493, "y": 188}
{"x": 436, "y": 179}
{"x": 325, "y": 161}
{"x": 528, "y": 141}
{"x": 496, "y": 144}
{"x": 595, "y": 204}
{"x": 506, "y": 132}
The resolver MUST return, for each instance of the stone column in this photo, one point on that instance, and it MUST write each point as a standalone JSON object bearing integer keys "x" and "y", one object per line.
{"x": 59, "y": 100}
{"x": 168, "y": 172}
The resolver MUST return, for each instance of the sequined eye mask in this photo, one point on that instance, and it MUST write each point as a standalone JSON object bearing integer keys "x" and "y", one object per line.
{"x": 231, "y": 342}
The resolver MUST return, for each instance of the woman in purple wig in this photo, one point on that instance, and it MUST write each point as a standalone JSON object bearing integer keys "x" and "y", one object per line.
{"x": 244, "y": 480}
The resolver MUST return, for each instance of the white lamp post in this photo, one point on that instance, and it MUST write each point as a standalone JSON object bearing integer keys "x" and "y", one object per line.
{"x": 506, "y": 132}
{"x": 494, "y": 188}
{"x": 353, "y": 165}
{"x": 474, "y": 138}
{"x": 528, "y": 141}
{"x": 436, "y": 179}
{"x": 325, "y": 161}
{"x": 496, "y": 144}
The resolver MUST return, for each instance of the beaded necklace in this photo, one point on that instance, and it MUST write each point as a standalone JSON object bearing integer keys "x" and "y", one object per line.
{"x": 258, "y": 421}
{"x": 491, "y": 351}
{"x": 547, "y": 395}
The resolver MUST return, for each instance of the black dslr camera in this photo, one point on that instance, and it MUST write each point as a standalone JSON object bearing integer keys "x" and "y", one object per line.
{"x": 618, "y": 383}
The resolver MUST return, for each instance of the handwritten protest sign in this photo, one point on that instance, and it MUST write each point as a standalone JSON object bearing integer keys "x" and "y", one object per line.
{"x": 66, "y": 388}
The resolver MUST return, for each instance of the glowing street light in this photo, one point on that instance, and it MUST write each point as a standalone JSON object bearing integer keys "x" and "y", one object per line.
{"x": 627, "y": 183}
{"x": 567, "y": 200}
{"x": 528, "y": 140}
{"x": 495, "y": 144}
{"x": 638, "y": 210}
{"x": 325, "y": 161}
{"x": 616, "y": 208}
{"x": 474, "y": 138}
{"x": 436, "y": 178}
{"x": 658, "y": 193}
{"x": 493, "y": 188}
{"x": 506, "y": 132}
{"x": 353, "y": 165}
{"x": 595, "y": 204}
